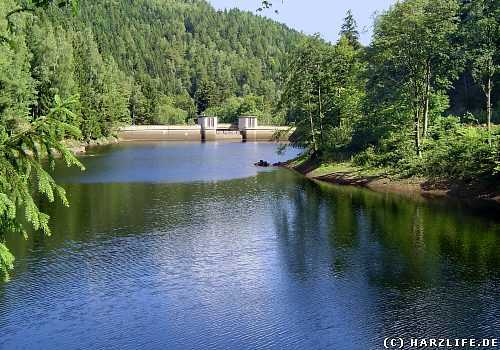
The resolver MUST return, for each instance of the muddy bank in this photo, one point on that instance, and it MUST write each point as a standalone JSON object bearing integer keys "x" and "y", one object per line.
{"x": 343, "y": 174}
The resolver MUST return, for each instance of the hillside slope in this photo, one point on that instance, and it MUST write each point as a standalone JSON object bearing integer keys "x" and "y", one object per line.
{"x": 180, "y": 48}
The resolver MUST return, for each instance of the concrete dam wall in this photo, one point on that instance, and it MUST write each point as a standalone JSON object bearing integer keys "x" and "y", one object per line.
{"x": 207, "y": 129}
{"x": 161, "y": 133}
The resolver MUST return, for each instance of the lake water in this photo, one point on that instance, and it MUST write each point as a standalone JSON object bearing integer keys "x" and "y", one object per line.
{"x": 189, "y": 246}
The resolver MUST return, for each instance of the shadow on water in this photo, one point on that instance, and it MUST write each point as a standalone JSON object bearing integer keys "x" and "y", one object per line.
{"x": 411, "y": 232}
{"x": 431, "y": 265}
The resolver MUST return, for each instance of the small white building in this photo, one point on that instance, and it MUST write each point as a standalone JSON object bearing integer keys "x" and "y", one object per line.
{"x": 247, "y": 122}
{"x": 207, "y": 122}
{"x": 208, "y": 125}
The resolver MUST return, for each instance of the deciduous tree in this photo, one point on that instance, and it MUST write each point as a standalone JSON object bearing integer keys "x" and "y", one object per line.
{"x": 481, "y": 32}
{"x": 413, "y": 37}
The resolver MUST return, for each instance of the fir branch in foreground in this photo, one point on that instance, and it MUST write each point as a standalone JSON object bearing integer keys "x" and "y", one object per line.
{"x": 22, "y": 151}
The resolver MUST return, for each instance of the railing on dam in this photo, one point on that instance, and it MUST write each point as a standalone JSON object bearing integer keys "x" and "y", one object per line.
{"x": 207, "y": 129}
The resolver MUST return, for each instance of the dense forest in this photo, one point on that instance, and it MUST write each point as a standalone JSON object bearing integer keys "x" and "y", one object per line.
{"x": 422, "y": 99}
{"x": 185, "y": 57}
{"x": 164, "y": 62}
{"x": 147, "y": 62}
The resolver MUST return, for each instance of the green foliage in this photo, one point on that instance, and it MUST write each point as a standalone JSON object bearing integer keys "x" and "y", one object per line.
{"x": 461, "y": 151}
{"x": 23, "y": 146}
{"x": 73, "y": 4}
{"x": 302, "y": 90}
{"x": 175, "y": 48}
{"x": 143, "y": 62}
{"x": 233, "y": 107}
{"x": 104, "y": 90}
{"x": 167, "y": 114}
{"x": 32, "y": 72}
{"x": 411, "y": 50}
{"x": 393, "y": 150}
{"x": 323, "y": 91}
{"x": 452, "y": 150}
{"x": 480, "y": 31}
{"x": 228, "y": 111}
{"x": 349, "y": 30}
{"x": 392, "y": 115}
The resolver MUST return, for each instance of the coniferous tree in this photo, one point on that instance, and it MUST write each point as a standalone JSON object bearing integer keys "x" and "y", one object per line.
{"x": 52, "y": 64}
{"x": 25, "y": 139}
{"x": 349, "y": 30}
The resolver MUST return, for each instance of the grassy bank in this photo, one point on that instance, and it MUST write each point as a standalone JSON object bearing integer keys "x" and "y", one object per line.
{"x": 388, "y": 180}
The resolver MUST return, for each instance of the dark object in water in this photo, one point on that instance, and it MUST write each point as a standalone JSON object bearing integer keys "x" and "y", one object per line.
{"x": 262, "y": 163}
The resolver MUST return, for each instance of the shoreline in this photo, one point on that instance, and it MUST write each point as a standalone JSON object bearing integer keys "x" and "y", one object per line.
{"x": 345, "y": 174}
{"x": 79, "y": 148}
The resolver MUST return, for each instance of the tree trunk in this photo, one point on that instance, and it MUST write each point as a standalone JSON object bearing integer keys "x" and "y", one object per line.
{"x": 133, "y": 114}
{"x": 488, "y": 108}
{"x": 426, "y": 100}
{"x": 315, "y": 145}
{"x": 416, "y": 118}
{"x": 418, "y": 151}
{"x": 320, "y": 117}
{"x": 339, "y": 110}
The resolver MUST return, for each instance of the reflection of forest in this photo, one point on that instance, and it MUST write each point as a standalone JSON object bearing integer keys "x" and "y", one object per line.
{"x": 418, "y": 267}
{"x": 342, "y": 254}
{"x": 397, "y": 241}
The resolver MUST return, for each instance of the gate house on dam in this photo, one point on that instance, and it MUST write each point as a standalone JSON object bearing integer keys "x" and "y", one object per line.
{"x": 207, "y": 129}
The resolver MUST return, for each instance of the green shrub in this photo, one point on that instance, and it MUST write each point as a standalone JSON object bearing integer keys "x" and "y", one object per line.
{"x": 368, "y": 157}
{"x": 233, "y": 107}
{"x": 461, "y": 151}
{"x": 169, "y": 115}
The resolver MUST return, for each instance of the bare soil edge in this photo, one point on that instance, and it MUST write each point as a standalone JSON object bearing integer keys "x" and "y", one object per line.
{"x": 411, "y": 186}
{"x": 80, "y": 148}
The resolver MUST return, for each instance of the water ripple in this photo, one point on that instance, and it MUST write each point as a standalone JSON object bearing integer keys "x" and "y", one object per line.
{"x": 266, "y": 262}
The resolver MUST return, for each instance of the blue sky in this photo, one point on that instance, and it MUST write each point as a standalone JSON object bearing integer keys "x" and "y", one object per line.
{"x": 316, "y": 16}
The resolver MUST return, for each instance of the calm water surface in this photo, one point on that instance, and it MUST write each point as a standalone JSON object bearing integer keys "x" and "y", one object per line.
{"x": 189, "y": 246}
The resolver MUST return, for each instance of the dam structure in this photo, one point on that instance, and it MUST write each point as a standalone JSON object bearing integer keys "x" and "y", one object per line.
{"x": 207, "y": 129}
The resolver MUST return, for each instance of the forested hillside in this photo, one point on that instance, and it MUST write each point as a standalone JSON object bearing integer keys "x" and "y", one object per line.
{"x": 183, "y": 57}
{"x": 190, "y": 47}
{"x": 146, "y": 62}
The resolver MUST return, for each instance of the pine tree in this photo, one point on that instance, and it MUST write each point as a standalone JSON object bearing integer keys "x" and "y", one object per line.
{"x": 349, "y": 30}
